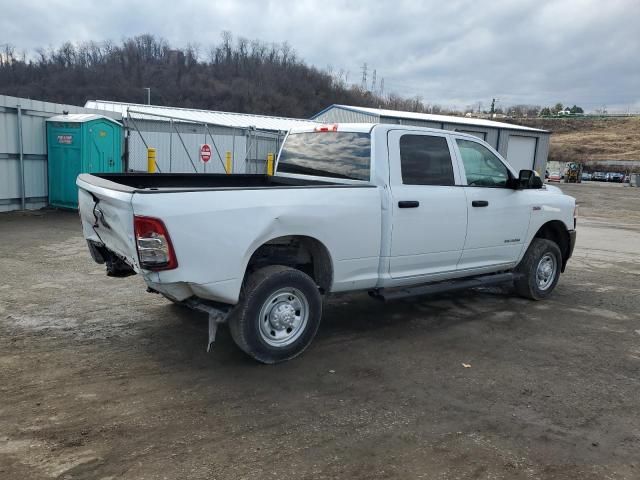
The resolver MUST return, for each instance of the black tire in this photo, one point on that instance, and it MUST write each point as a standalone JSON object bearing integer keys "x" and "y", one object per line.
{"x": 526, "y": 283}
{"x": 244, "y": 322}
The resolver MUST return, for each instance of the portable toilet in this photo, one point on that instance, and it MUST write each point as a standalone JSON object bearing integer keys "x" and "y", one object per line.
{"x": 80, "y": 143}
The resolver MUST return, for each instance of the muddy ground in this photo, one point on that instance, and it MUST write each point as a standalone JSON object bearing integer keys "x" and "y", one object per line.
{"x": 100, "y": 380}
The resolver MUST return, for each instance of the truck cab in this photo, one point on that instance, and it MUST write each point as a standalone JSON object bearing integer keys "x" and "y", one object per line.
{"x": 451, "y": 206}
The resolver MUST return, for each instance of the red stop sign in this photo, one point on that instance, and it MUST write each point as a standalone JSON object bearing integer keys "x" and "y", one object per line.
{"x": 205, "y": 153}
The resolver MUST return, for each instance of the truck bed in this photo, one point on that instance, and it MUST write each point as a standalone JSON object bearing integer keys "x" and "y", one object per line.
{"x": 166, "y": 182}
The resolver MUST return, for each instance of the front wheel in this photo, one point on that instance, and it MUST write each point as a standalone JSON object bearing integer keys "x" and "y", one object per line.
{"x": 278, "y": 315}
{"x": 539, "y": 270}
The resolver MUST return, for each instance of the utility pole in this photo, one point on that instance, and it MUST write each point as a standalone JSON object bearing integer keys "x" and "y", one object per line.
{"x": 382, "y": 86}
{"x": 373, "y": 82}
{"x": 364, "y": 76}
{"x": 148, "y": 95}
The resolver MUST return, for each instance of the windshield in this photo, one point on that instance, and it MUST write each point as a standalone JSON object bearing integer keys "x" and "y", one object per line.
{"x": 327, "y": 154}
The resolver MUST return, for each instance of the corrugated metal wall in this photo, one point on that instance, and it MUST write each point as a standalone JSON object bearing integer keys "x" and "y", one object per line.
{"x": 342, "y": 115}
{"x": 498, "y": 138}
{"x": 489, "y": 135}
{"x": 34, "y": 115}
{"x": 263, "y": 144}
{"x": 411, "y": 122}
{"x": 178, "y": 146}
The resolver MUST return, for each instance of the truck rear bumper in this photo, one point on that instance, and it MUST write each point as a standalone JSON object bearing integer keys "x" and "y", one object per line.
{"x": 225, "y": 292}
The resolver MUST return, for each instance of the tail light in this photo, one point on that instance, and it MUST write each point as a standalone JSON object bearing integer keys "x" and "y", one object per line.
{"x": 155, "y": 251}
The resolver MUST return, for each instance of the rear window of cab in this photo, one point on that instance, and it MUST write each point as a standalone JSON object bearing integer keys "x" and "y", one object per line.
{"x": 327, "y": 154}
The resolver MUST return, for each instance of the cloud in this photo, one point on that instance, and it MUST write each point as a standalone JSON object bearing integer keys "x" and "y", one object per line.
{"x": 458, "y": 52}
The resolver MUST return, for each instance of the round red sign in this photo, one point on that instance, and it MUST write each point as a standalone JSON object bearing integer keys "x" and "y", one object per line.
{"x": 205, "y": 153}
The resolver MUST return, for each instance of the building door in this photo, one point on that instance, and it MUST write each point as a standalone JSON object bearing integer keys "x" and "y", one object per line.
{"x": 521, "y": 152}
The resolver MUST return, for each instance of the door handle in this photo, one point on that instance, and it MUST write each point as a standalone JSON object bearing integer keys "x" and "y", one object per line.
{"x": 479, "y": 203}
{"x": 408, "y": 204}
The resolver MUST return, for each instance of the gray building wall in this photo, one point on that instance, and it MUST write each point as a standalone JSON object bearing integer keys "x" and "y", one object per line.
{"x": 542, "y": 146}
{"x": 177, "y": 147}
{"x": 34, "y": 147}
{"x": 498, "y": 138}
{"x": 342, "y": 115}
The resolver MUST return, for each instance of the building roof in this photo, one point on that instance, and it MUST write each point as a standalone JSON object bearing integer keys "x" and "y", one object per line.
{"x": 227, "y": 119}
{"x": 429, "y": 117}
{"x": 79, "y": 118}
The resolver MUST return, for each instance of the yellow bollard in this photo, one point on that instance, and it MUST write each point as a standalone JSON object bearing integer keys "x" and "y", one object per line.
{"x": 151, "y": 160}
{"x": 229, "y": 165}
{"x": 270, "y": 164}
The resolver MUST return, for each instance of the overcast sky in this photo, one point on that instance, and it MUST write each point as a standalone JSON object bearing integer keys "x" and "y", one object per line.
{"x": 453, "y": 52}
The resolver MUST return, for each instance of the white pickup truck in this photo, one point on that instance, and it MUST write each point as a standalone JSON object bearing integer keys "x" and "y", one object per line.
{"x": 390, "y": 209}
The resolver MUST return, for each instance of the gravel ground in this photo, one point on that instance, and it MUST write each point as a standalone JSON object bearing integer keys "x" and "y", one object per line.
{"x": 100, "y": 380}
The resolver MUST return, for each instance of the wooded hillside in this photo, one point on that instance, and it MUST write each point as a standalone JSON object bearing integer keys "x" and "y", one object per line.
{"x": 236, "y": 75}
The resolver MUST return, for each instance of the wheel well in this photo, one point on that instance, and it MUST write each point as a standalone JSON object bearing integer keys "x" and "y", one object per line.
{"x": 302, "y": 253}
{"x": 557, "y": 232}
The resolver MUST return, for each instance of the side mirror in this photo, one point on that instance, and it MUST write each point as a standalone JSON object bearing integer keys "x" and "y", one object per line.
{"x": 529, "y": 179}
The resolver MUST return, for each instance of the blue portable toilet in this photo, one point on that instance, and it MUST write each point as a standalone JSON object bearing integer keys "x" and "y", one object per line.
{"x": 80, "y": 143}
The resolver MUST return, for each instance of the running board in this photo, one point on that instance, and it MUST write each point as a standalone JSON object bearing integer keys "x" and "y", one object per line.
{"x": 441, "y": 287}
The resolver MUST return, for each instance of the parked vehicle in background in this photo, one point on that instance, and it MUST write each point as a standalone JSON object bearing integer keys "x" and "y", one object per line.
{"x": 554, "y": 177}
{"x": 600, "y": 177}
{"x": 586, "y": 176}
{"x": 573, "y": 172}
{"x": 394, "y": 210}
{"x": 627, "y": 178}
{"x": 615, "y": 177}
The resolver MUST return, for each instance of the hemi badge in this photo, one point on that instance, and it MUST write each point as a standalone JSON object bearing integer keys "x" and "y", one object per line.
{"x": 536, "y": 208}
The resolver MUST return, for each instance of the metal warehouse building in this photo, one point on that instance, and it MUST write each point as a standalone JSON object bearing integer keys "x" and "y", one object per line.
{"x": 178, "y": 133}
{"x": 523, "y": 147}
{"x": 23, "y": 150}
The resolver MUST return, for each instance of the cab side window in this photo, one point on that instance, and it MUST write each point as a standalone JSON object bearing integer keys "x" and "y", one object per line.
{"x": 482, "y": 167}
{"x": 425, "y": 160}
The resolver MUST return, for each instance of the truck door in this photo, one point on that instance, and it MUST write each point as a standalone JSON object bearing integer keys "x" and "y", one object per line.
{"x": 498, "y": 215}
{"x": 429, "y": 207}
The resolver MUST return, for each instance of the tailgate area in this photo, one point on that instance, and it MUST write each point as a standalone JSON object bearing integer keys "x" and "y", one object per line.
{"x": 107, "y": 224}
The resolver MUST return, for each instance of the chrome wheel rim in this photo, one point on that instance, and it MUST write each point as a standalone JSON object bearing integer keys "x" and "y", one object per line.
{"x": 546, "y": 271}
{"x": 283, "y": 317}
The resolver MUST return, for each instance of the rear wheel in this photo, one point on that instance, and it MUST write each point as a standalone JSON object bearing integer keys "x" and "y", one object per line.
{"x": 539, "y": 269}
{"x": 278, "y": 315}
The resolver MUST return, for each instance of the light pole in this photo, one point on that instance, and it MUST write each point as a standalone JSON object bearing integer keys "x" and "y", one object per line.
{"x": 148, "y": 95}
